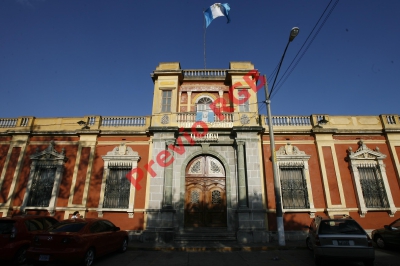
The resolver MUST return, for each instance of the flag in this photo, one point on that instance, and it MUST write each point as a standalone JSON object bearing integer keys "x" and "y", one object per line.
{"x": 215, "y": 11}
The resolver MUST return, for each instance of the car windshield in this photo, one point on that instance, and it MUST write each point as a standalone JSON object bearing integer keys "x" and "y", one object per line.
{"x": 67, "y": 227}
{"x": 6, "y": 227}
{"x": 340, "y": 227}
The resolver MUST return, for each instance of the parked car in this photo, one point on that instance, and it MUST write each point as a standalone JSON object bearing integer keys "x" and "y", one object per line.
{"x": 77, "y": 241}
{"x": 339, "y": 239}
{"x": 389, "y": 235}
{"x": 17, "y": 232}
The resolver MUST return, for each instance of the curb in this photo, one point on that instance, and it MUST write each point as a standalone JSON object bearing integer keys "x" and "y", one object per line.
{"x": 218, "y": 249}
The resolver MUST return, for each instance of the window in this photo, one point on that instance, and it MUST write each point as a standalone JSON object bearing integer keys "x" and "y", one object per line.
{"x": 294, "y": 188}
{"x": 369, "y": 176}
{"x": 44, "y": 180}
{"x": 117, "y": 193}
{"x": 203, "y": 104}
{"x": 372, "y": 187}
{"x": 42, "y": 186}
{"x": 295, "y": 180}
{"x": 117, "y": 189}
{"x": 166, "y": 101}
{"x": 244, "y": 101}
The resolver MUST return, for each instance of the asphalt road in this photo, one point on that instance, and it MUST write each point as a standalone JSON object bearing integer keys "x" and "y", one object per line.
{"x": 271, "y": 257}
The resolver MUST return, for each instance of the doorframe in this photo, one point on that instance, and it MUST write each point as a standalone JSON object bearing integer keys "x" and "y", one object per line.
{"x": 181, "y": 211}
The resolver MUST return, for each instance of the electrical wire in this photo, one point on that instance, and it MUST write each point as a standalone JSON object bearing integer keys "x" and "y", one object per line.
{"x": 284, "y": 77}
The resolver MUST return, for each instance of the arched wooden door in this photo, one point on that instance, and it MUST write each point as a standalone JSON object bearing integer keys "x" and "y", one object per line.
{"x": 205, "y": 200}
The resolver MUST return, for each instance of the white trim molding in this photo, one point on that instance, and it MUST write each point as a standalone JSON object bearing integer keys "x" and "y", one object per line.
{"x": 291, "y": 156}
{"x": 48, "y": 158}
{"x": 365, "y": 157}
{"x": 119, "y": 156}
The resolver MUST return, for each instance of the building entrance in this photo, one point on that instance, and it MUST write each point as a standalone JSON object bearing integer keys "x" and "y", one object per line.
{"x": 205, "y": 199}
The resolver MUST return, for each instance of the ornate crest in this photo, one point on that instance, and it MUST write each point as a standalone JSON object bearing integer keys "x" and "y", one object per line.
{"x": 244, "y": 119}
{"x": 122, "y": 150}
{"x": 363, "y": 152}
{"x": 49, "y": 154}
{"x": 288, "y": 149}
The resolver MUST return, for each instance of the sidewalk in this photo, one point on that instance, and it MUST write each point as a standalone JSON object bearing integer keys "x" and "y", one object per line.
{"x": 216, "y": 246}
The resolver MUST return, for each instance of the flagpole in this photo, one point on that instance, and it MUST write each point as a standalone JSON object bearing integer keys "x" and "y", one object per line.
{"x": 204, "y": 26}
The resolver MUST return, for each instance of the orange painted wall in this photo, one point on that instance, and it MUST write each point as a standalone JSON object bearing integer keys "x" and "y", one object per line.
{"x": 55, "y": 138}
{"x": 81, "y": 176}
{"x": 65, "y": 185}
{"x": 97, "y": 174}
{"x": 294, "y": 221}
{"x": 331, "y": 175}
{"x": 8, "y": 178}
{"x": 3, "y": 156}
{"x": 373, "y": 220}
{"x": 349, "y": 189}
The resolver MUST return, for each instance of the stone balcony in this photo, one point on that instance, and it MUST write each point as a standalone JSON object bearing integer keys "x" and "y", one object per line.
{"x": 188, "y": 119}
{"x": 89, "y": 124}
{"x": 328, "y": 123}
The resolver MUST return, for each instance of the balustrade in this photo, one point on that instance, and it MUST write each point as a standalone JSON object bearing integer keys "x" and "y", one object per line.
{"x": 188, "y": 119}
{"x": 125, "y": 121}
{"x": 8, "y": 122}
{"x": 391, "y": 119}
{"x": 290, "y": 121}
{"x": 204, "y": 73}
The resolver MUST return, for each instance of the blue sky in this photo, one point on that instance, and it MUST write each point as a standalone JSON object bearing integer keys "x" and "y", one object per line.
{"x": 71, "y": 58}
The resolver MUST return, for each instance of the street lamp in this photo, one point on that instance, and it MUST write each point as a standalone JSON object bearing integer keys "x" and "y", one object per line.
{"x": 277, "y": 183}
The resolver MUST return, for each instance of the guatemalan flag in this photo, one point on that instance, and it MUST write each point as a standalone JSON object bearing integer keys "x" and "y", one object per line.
{"x": 215, "y": 11}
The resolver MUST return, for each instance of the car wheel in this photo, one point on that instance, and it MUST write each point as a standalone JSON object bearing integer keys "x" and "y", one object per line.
{"x": 309, "y": 243}
{"x": 380, "y": 242}
{"x": 89, "y": 258}
{"x": 369, "y": 262}
{"x": 124, "y": 245}
{"x": 20, "y": 256}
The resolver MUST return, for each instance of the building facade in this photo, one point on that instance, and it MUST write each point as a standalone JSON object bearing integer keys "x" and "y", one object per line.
{"x": 200, "y": 164}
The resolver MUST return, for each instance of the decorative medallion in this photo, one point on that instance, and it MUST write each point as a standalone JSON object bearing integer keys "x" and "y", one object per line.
{"x": 165, "y": 119}
{"x": 244, "y": 119}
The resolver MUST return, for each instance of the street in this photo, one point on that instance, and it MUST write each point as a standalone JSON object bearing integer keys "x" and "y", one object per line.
{"x": 271, "y": 257}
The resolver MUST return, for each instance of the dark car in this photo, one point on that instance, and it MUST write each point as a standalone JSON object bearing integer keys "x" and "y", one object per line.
{"x": 389, "y": 235}
{"x": 77, "y": 241}
{"x": 17, "y": 232}
{"x": 341, "y": 238}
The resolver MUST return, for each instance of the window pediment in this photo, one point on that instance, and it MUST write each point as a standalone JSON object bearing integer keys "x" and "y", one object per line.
{"x": 49, "y": 154}
{"x": 363, "y": 152}
{"x": 290, "y": 152}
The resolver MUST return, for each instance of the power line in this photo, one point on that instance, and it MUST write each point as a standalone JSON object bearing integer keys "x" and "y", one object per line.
{"x": 284, "y": 76}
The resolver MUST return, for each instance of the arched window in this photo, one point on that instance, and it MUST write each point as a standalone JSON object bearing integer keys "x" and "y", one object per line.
{"x": 203, "y": 104}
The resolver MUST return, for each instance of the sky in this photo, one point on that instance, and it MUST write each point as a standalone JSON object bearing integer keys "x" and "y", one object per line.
{"x": 72, "y": 58}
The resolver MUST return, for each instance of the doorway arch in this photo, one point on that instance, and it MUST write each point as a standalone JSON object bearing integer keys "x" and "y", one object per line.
{"x": 205, "y": 193}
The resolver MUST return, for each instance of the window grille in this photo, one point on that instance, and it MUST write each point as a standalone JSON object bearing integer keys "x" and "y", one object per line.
{"x": 166, "y": 101}
{"x": 117, "y": 188}
{"x": 294, "y": 188}
{"x": 42, "y": 186}
{"x": 373, "y": 188}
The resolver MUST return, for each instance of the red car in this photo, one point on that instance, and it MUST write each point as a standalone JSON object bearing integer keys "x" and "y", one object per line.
{"x": 17, "y": 232}
{"x": 77, "y": 241}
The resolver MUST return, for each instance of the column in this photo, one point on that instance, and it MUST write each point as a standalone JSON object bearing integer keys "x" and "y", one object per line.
{"x": 241, "y": 175}
{"x": 189, "y": 101}
{"x": 168, "y": 175}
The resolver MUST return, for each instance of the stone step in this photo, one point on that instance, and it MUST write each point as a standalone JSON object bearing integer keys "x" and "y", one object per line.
{"x": 205, "y": 236}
